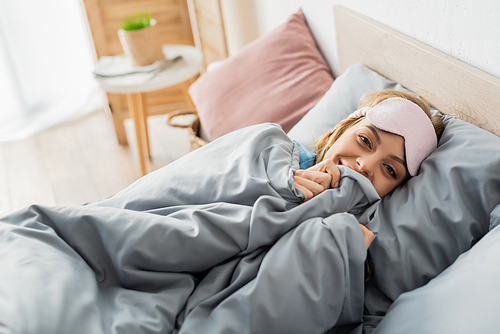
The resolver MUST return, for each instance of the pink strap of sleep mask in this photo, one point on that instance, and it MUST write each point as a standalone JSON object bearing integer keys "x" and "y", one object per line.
{"x": 405, "y": 118}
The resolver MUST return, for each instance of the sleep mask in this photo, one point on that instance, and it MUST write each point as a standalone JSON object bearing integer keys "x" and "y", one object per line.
{"x": 406, "y": 119}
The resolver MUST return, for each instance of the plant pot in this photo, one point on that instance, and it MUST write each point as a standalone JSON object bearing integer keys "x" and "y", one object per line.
{"x": 141, "y": 46}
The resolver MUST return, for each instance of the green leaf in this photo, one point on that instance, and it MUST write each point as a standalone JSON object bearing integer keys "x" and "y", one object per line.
{"x": 140, "y": 21}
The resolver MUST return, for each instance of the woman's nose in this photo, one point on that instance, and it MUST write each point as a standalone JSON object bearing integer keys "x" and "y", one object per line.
{"x": 366, "y": 165}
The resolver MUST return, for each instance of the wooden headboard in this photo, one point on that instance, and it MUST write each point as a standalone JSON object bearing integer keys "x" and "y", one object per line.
{"x": 451, "y": 86}
{"x": 208, "y": 29}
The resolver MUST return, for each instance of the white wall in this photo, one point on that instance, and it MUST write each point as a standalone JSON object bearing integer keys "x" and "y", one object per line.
{"x": 468, "y": 30}
{"x": 240, "y": 22}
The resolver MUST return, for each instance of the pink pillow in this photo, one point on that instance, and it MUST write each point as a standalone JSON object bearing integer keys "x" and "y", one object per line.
{"x": 276, "y": 78}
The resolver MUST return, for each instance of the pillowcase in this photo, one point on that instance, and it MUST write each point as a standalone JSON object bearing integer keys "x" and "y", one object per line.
{"x": 276, "y": 78}
{"x": 438, "y": 214}
{"x": 463, "y": 299}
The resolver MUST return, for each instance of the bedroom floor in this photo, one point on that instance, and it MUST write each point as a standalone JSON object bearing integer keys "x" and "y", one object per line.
{"x": 80, "y": 162}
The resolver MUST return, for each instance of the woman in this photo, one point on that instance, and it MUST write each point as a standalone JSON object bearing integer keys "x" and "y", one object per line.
{"x": 386, "y": 140}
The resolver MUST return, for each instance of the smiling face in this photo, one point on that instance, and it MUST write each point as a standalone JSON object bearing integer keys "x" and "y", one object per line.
{"x": 375, "y": 154}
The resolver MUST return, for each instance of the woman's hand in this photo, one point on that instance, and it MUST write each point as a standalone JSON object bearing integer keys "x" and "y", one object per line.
{"x": 316, "y": 179}
{"x": 368, "y": 235}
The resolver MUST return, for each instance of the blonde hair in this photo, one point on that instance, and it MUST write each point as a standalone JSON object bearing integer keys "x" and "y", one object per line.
{"x": 324, "y": 142}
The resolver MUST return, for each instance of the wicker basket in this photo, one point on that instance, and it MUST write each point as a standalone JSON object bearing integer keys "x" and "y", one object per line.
{"x": 141, "y": 46}
{"x": 193, "y": 127}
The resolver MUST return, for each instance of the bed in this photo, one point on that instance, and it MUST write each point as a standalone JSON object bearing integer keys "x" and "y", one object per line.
{"x": 219, "y": 241}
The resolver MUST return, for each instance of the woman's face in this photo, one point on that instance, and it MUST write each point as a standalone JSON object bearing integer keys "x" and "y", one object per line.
{"x": 375, "y": 154}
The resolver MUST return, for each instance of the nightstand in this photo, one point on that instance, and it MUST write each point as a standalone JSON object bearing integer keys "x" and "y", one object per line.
{"x": 174, "y": 71}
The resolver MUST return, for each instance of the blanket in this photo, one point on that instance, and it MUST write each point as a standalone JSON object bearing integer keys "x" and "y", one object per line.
{"x": 215, "y": 242}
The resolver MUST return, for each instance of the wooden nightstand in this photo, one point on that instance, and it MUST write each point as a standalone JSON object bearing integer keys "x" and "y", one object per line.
{"x": 180, "y": 72}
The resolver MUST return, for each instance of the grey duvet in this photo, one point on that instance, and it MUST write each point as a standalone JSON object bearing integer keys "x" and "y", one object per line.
{"x": 215, "y": 242}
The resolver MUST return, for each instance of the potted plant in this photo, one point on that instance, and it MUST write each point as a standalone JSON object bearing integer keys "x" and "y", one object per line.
{"x": 140, "y": 41}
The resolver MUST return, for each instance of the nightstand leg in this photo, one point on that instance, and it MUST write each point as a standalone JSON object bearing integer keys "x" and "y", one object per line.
{"x": 145, "y": 120}
{"x": 135, "y": 104}
{"x": 184, "y": 87}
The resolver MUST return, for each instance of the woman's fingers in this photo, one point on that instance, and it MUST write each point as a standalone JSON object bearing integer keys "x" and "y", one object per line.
{"x": 305, "y": 192}
{"x": 321, "y": 178}
{"x": 334, "y": 171}
{"x": 367, "y": 235}
{"x": 328, "y": 167}
{"x": 310, "y": 184}
{"x": 317, "y": 179}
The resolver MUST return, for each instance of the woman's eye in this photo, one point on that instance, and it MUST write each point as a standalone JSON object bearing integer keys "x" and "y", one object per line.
{"x": 391, "y": 171}
{"x": 365, "y": 140}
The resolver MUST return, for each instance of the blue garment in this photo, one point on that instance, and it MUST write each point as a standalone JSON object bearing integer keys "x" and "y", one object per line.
{"x": 306, "y": 157}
